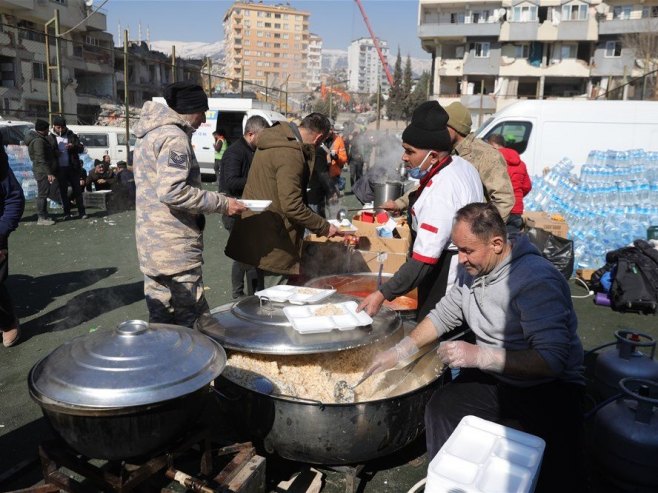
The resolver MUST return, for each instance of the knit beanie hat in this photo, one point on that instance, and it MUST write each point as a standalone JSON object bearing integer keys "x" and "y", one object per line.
{"x": 185, "y": 97}
{"x": 59, "y": 120}
{"x": 41, "y": 125}
{"x": 428, "y": 128}
{"x": 460, "y": 118}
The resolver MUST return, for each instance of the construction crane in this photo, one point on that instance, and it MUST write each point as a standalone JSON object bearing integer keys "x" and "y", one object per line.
{"x": 387, "y": 70}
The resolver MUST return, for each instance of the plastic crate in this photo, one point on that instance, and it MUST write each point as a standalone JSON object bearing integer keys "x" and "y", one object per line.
{"x": 484, "y": 457}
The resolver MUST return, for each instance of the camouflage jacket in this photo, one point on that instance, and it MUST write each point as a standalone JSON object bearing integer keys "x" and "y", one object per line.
{"x": 170, "y": 202}
{"x": 493, "y": 172}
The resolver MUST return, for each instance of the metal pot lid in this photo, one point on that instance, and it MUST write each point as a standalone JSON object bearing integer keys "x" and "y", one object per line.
{"x": 133, "y": 365}
{"x": 253, "y": 327}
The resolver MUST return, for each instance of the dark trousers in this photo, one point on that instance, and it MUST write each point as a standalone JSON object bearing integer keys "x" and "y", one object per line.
{"x": 552, "y": 411}
{"x": 68, "y": 176}
{"x": 241, "y": 271}
{"x": 356, "y": 171}
{"x": 7, "y": 314}
{"x": 43, "y": 190}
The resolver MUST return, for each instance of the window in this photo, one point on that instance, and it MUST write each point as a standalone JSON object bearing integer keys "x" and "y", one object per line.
{"x": 516, "y": 134}
{"x": 651, "y": 11}
{"x": 622, "y": 12}
{"x": 481, "y": 50}
{"x": 121, "y": 139}
{"x": 564, "y": 52}
{"x": 94, "y": 140}
{"x": 521, "y": 51}
{"x": 61, "y": 2}
{"x": 574, "y": 12}
{"x": 526, "y": 13}
{"x": 39, "y": 70}
{"x": 612, "y": 49}
{"x": 457, "y": 18}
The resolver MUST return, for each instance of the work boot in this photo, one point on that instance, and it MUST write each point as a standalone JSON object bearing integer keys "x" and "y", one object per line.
{"x": 44, "y": 221}
{"x": 11, "y": 336}
{"x": 84, "y": 216}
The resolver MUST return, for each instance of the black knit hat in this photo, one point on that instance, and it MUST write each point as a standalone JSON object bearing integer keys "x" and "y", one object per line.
{"x": 186, "y": 98}
{"x": 428, "y": 128}
{"x": 59, "y": 120}
{"x": 41, "y": 125}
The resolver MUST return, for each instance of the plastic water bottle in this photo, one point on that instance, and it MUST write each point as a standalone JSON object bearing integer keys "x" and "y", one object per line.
{"x": 30, "y": 188}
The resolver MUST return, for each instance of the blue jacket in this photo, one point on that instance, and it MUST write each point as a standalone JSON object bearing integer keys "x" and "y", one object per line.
{"x": 12, "y": 201}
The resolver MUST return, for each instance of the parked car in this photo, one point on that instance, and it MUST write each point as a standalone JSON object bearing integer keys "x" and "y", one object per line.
{"x": 99, "y": 140}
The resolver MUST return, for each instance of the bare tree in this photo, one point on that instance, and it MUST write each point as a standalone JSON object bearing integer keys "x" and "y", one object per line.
{"x": 645, "y": 48}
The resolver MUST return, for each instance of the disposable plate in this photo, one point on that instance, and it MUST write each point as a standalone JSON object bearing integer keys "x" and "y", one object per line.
{"x": 297, "y": 295}
{"x": 255, "y": 205}
{"x": 305, "y": 319}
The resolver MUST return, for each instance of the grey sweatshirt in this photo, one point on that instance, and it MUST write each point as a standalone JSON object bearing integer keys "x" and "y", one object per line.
{"x": 524, "y": 303}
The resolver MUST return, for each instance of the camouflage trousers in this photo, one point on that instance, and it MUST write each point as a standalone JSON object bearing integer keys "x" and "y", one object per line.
{"x": 177, "y": 299}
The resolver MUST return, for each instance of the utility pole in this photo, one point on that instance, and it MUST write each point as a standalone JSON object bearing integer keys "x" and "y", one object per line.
{"x": 208, "y": 65}
{"x": 57, "y": 67}
{"x": 173, "y": 63}
{"x": 126, "y": 99}
{"x": 379, "y": 104}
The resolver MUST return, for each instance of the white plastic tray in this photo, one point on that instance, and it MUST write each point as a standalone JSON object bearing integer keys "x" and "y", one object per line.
{"x": 481, "y": 457}
{"x": 345, "y": 226}
{"x": 255, "y": 205}
{"x": 305, "y": 320}
{"x": 297, "y": 295}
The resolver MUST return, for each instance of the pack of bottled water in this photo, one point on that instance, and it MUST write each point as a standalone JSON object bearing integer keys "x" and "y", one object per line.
{"x": 21, "y": 165}
{"x": 610, "y": 203}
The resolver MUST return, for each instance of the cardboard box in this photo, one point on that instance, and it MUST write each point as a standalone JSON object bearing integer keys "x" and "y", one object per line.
{"x": 370, "y": 241}
{"x": 551, "y": 222}
{"x": 325, "y": 257}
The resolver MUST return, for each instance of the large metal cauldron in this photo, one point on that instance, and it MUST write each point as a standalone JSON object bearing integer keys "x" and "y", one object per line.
{"x": 330, "y": 434}
{"x": 128, "y": 393}
{"x": 361, "y": 284}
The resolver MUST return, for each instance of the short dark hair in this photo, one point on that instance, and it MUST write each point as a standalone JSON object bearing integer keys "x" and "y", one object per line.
{"x": 316, "y": 122}
{"x": 496, "y": 139}
{"x": 483, "y": 219}
{"x": 255, "y": 124}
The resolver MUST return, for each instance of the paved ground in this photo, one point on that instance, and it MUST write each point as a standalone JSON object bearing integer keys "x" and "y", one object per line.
{"x": 82, "y": 275}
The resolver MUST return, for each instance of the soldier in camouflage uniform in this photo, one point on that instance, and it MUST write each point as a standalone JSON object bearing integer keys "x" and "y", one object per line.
{"x": 170, "y": 205}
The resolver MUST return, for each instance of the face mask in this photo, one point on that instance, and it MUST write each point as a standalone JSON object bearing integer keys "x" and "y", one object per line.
{"x": 417, "y": 173}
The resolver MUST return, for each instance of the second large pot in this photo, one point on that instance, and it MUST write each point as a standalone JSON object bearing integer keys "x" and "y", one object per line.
{"x": 330, "y": 434}
{"x": 389, "y": 190}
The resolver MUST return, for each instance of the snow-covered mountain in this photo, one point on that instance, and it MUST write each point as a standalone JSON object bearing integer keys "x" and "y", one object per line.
{"x": 191, "y": 49}
{"x": 332, "y": 59}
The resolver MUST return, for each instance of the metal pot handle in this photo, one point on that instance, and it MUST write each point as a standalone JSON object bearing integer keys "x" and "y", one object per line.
{"x": 298, "y": 399}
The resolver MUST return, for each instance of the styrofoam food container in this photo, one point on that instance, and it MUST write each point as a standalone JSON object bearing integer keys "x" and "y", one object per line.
{"x": 485, "y": 457}
{"x": 255, "y": 205}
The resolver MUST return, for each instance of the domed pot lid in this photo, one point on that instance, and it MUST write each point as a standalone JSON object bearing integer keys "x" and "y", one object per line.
{"x": 135, "y": 364}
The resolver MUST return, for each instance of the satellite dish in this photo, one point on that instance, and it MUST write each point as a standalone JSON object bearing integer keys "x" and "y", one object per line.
{"x": 89, "y": 3}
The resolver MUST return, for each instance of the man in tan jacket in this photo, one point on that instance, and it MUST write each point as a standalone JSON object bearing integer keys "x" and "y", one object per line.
{"x": 170, "y": 205}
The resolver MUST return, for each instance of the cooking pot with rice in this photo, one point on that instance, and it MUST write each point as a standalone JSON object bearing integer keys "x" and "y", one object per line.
{"x": 278, "y": 385}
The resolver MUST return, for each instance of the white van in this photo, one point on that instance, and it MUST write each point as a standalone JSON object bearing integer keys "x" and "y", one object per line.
{"x": 99, "y": 140}
{"x": 230, "y": 115}
{"x": 13, "y": 131}
{"x": 546, "y": 131}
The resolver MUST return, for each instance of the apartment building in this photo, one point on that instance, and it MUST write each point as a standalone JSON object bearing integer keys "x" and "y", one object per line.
{"x": 149, "y": 71}
{"x": 510, "y": 49}
{"x": 314, "y": 63}
{"x": 267, "y": 44}
{"x": 86, "y": 58}
{"x": 364, "y": 67}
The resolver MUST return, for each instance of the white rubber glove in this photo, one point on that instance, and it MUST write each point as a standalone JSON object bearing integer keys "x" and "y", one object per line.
{"x": 391, "y": 357}
{"x": 460, "y": 354}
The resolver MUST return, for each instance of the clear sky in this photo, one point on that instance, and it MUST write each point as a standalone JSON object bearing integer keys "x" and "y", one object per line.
{"x": 338, "y": 22}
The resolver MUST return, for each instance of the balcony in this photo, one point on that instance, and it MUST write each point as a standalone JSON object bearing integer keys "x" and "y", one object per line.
{"x": 570, "y": 67}
{"x": 448, "y": 30}
{"x": 19, "y": 4}
{"x": 578, "y": 30}
{"x": 604, "y": 66}
{"x": 489, "y": 65}
{"x": 624, "y": 26}
{"x": 450, "y": 67}
{"x": 519, "y": 31}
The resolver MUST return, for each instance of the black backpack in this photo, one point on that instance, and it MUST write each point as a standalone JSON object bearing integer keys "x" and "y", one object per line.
{"x": 635, "y": 283}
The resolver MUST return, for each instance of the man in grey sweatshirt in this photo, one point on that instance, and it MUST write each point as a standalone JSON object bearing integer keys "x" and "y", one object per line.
{"x": 527, "y": 362}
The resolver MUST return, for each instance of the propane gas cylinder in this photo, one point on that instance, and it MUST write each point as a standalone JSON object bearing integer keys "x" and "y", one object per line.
{"x": 625, "y": 435}
{"x": 625, "y": 361}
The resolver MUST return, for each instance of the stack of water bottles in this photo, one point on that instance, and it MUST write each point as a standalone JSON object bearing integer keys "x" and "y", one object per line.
{"x": 20, "y": 164}
{"x": 611, "y": 203}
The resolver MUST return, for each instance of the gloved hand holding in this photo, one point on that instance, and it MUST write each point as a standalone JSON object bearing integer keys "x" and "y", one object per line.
{"x": 391, "y": 357}
{"x": 460, "y": 354}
